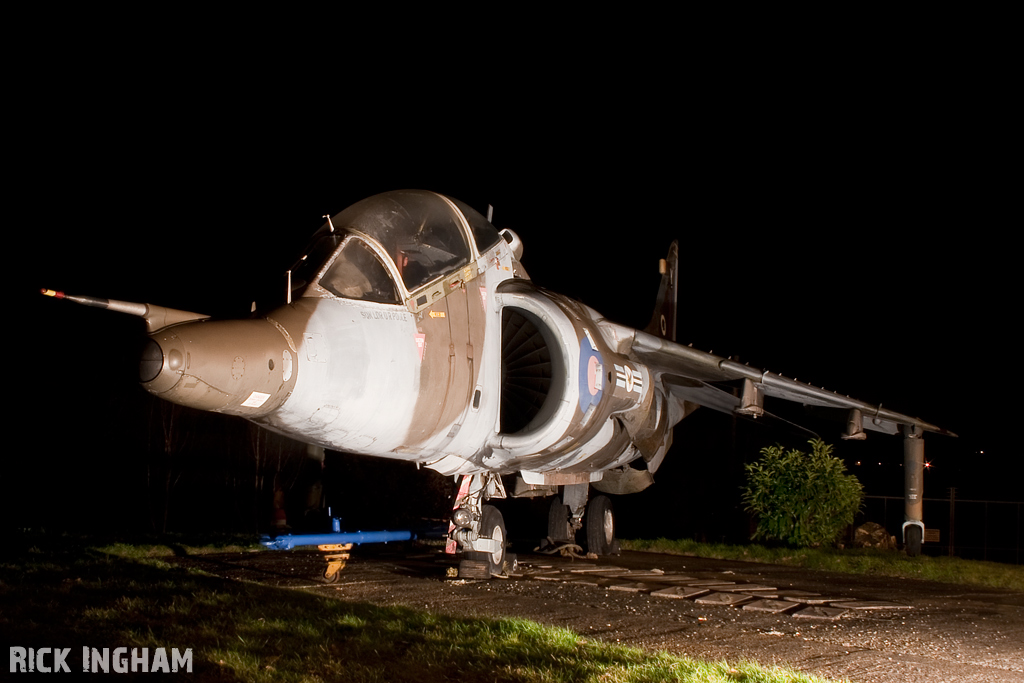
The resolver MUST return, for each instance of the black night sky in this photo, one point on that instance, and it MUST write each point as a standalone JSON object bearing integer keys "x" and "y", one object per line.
{"x": 850, "y": 236}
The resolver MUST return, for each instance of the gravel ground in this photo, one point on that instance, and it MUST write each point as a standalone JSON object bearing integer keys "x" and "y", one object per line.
{"x": 837, "y": 626}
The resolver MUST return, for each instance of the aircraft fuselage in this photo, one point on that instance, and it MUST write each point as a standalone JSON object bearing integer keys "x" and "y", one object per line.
{"x": 428, "y": 387}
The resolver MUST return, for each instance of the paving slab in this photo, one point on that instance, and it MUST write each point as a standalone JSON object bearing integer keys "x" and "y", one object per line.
{"x": 633, "y": 586}
{"x": 872, "y": 604}
{"x": 639, "y": 575}
{"x": 813, "y": 600}
{"x": 794, "y": 593}
{"x": 583, "y": 579}
{"x": 598, "y": 569}
{"x": 710, "y": 582}
{"x": 820, "y": 613}
{"x": 676, "y": 578}
{"x": 771, "y": 606}
{"x": 730, "y": 599}
{"x": 743, "y": 588}
{"x": 683, "y": 592}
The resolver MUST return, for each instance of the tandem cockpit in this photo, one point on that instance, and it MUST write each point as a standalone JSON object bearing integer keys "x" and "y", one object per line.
{"x": 406, "y": 247}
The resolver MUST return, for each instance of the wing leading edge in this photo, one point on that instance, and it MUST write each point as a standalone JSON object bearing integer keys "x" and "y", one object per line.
{"x": 689, "y": 374}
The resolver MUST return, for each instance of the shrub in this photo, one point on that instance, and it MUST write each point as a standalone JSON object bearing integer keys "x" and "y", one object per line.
{"x": 804, "y": 499}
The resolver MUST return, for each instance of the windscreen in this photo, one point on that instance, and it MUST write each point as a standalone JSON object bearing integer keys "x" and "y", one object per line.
{"x": 357, "y": 273}
{"x": 419, "y": 230}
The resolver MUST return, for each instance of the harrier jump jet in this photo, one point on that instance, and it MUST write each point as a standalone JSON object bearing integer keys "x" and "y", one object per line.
{"x": 411, "y": 331}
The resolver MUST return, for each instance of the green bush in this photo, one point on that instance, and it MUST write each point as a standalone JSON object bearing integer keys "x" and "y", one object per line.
{"x": 804, "y": 499}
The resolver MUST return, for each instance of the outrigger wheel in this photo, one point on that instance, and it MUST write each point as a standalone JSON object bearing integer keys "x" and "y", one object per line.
{"x": 483, "y": 565}
{"x": 913, "y": 540}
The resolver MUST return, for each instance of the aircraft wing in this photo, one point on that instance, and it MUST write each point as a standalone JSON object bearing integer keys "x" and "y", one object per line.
{"x": 689, "y": 374}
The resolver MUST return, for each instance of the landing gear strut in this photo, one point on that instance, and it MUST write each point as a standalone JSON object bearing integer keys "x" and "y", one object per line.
{"x": 913, "y": 472}
{"x": 565, "y": 518}
{"x": 478, "y": 529}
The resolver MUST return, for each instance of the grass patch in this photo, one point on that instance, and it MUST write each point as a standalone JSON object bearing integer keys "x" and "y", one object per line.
{"x": 172, "y": 546}
{"x": 863, "y": 561}
{"x": 69, "y": 595}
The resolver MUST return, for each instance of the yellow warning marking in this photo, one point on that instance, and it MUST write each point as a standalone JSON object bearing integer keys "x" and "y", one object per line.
{"x": 437, "y": 314}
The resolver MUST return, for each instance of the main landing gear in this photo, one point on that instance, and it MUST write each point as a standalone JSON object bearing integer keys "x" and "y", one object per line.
{"x": 478, "y": 529}
{"x": 566, "y": 517}
{"x": 601, "y": 527}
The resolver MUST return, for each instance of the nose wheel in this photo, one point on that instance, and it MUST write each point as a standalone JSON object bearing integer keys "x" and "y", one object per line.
{"x": 483, "y": 564}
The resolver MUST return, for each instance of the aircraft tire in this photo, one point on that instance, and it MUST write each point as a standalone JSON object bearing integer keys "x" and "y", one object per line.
{"x": 558, "y": 522}
{"x": 601, "y": 526}
{"x": 913, "y": 544}
{"x": 492, "y": 526}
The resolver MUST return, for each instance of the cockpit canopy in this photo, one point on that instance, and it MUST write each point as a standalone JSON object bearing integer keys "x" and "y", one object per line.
{"x": 388, "y": 247}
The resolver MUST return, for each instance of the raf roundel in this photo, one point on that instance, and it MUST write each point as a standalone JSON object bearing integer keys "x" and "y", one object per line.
{"x": 591, "y": 375}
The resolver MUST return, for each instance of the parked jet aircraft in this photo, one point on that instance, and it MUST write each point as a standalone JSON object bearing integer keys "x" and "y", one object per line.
{"x": 411, "y": 331}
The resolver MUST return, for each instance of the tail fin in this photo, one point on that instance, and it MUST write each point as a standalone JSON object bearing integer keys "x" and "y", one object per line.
{"x": 663, "y": 322}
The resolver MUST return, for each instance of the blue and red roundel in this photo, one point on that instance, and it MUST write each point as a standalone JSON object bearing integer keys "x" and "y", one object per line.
{"x": 591, "y": 375}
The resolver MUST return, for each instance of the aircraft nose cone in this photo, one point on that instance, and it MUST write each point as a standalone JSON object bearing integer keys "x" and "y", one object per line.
{"x": 151, "y": 361}
{"x": 162, "y": 362}
{"x": 237, "y": 367}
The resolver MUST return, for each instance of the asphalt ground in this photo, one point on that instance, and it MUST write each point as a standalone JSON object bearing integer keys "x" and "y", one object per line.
{"x": 864, "y": 629}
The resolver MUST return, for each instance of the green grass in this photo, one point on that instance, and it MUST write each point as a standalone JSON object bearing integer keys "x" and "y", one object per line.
{"x": 867, "y": 562}
{"x": 175, "y": 546}
{"x": 70, "y": 595}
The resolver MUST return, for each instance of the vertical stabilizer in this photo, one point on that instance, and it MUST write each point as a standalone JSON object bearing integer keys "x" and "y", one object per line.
{"x": 663, "y": 322}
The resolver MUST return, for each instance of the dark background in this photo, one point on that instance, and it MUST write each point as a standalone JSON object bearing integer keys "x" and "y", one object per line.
{"x": 846, "y": 229}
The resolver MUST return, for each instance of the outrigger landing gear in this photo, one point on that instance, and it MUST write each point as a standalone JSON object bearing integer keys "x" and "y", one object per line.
{"x": 913, "y": 474}
{"x": 478, "y": 529}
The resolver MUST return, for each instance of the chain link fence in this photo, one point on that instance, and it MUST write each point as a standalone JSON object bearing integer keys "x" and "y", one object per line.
{"x": 971, "y": 529}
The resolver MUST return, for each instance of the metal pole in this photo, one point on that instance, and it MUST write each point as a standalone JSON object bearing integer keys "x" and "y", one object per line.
{"x": 290, "y": 541}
